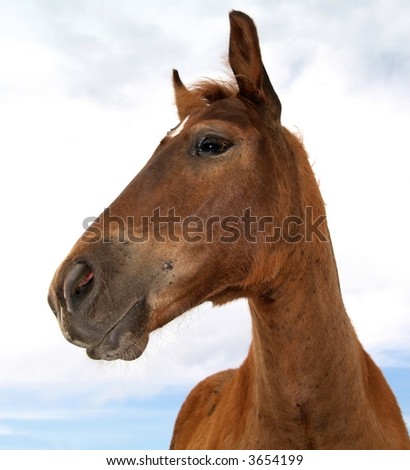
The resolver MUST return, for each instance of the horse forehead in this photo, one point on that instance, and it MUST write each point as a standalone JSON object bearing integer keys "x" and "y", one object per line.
{"x": 228, "y": 108}
{"x": 229, "y": 111}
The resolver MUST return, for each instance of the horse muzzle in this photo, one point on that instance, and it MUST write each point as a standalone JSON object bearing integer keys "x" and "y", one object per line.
{"x": 84, "y": 306}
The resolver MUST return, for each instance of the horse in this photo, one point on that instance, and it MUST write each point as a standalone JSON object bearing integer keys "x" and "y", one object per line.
{"x": 228, "y": 207}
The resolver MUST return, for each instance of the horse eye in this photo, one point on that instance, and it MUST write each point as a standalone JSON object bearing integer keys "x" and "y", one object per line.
{"x": 211, "y": 146}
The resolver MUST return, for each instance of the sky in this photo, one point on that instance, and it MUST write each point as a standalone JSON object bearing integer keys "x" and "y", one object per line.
{"x": 85, "y": 97}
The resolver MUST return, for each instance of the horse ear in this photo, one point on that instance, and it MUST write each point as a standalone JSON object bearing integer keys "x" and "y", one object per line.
{"x": 246, "y": 63}
{"x": 185, "y": 100}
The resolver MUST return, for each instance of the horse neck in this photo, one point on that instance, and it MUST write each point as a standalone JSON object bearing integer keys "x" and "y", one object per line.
{"x": 306, "y": 374}
{"x": 306, "y": 362}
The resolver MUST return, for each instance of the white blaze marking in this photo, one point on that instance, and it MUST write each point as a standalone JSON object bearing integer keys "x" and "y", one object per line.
{"x": 178, "y": 129}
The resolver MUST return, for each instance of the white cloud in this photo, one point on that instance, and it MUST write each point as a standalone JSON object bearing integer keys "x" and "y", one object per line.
{"x": 6, "y": 431}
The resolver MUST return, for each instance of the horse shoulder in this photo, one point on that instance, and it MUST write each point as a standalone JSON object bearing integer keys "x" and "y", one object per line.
{"x": 195, "y": 419}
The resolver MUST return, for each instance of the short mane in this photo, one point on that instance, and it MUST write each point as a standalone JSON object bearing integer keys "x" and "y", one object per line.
{"x": 210, "y": 91}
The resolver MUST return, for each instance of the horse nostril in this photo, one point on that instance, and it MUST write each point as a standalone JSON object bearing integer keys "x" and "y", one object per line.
{"x": 78, "y": 283}
{"x": 84, "y": 283}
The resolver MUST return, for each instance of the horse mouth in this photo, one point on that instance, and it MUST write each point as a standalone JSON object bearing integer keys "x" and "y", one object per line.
{"x": 127, "y": 339}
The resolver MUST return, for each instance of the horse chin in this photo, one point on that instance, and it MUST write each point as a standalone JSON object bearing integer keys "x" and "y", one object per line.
{"x": 126, "y": 348}
{"x": 127, "y": 339}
